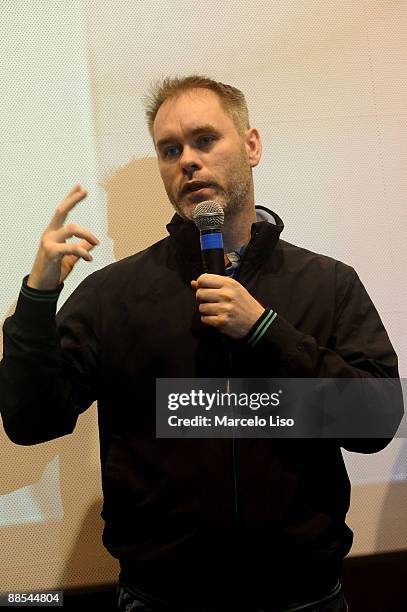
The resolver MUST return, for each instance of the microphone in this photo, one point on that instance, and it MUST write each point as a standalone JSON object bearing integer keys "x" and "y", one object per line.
{"x": 208, "y": 217}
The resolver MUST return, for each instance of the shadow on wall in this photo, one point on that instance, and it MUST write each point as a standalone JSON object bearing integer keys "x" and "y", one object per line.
{"x": 392, "y": 528}
{"x": 86, "y": 561}
{"x": 138, "y": 211}
{"x": 137, "y": 206}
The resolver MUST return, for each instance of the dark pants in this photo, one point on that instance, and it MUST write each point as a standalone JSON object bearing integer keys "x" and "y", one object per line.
{"x": 127, "y": 602}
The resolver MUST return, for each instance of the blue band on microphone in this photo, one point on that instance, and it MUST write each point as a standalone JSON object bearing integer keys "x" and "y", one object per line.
{"x": 211, "y": 241}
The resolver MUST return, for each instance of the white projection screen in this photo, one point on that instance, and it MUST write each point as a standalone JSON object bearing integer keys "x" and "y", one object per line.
{"x": 326, "y": 86}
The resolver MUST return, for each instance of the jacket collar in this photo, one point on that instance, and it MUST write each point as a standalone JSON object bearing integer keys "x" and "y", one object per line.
{"x": 264, "y": 236}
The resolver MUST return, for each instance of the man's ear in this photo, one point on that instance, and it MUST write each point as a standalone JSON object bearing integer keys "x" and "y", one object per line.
{"x": 253, "y": 146}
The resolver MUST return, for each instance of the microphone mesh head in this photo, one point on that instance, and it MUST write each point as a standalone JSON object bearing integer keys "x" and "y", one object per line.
{"x": 208, "y": 215}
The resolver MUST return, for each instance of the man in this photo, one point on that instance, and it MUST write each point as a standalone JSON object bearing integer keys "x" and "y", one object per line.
{"x": 199, "y": 524}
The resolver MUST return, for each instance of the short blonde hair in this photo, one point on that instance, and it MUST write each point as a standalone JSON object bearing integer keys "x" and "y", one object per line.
{"x": 231, "y": 99}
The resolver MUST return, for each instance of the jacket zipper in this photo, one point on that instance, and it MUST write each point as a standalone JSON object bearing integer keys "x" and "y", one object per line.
{"x": 234, "y": 451}
{"x": 235, "y": 441}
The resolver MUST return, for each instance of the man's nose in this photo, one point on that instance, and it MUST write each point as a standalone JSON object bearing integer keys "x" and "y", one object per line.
{"x": 189, "y": 160}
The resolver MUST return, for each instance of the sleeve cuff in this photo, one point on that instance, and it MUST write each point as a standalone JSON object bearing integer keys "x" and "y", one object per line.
{"x": 40, "y": 295}
{"x": 260, "y": 327}
{"x": 35, "y": 308}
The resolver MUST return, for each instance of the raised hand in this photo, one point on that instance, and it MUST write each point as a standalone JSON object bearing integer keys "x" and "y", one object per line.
{"x": 56, "y": 257}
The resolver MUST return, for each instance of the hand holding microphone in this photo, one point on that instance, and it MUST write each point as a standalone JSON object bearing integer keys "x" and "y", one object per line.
{"x": 223, "y": 302}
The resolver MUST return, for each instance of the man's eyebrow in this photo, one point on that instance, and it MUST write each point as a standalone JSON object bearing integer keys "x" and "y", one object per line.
{"x": 195, "y": 132}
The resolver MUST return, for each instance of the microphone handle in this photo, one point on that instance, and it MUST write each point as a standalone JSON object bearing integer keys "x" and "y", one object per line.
{"x": 213, "y": 255}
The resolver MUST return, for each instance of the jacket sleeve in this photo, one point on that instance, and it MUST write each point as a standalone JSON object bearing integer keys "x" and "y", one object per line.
{"x": 359, "y": 348}
{"x": 48, "y": 375}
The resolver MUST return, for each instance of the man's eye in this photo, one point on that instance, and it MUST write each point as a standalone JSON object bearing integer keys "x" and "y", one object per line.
{"x": 206, "y": 140}
{"x": 171, "y": 152}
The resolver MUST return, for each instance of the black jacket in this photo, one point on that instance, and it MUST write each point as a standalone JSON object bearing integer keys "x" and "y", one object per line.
{"x": 231, "y": 517}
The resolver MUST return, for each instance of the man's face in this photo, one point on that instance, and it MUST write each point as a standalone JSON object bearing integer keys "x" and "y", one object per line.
{"x": 202, "y": 156}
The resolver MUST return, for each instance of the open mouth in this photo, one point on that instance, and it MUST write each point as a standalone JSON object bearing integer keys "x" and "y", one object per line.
{"x": 195, "y": 187}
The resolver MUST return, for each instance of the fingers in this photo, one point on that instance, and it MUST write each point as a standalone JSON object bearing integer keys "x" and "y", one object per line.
{"x": 213, "y": 288}
{"x": 56, "y": 257}
{"x": 71, "y": 248}
{"x": 213, "y": 281}
{"x": 73, "y": 230}
{"x": 55, "y": 247}
{"x": 87, "y": 245}
{"x": 84, "y": 244}
{"x": 211, "y": 295}
{"x": 76, "y": 194}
